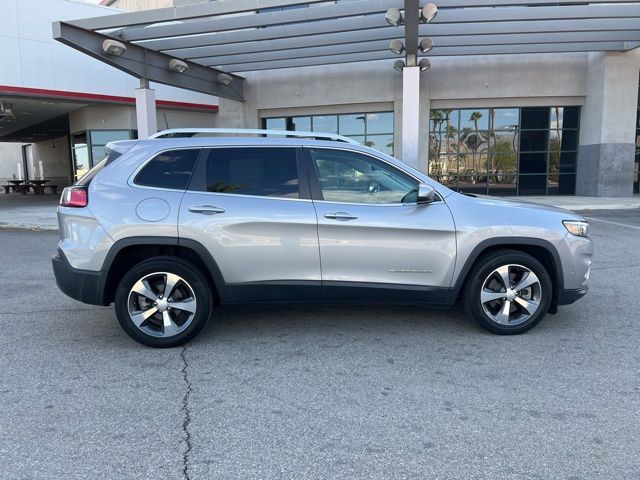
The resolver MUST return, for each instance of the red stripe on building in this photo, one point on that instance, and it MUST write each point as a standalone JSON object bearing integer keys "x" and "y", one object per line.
{"x": 99, "y": 98}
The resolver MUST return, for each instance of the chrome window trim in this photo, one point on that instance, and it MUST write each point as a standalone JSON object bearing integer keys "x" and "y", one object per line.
{"x": 199, "y": 192}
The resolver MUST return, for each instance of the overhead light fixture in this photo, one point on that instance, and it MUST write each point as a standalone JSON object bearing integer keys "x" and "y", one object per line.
{"x": 393, "y": 17}
{"x": 428, "y": 13}
{"x": 177, "y": 66}
{"x": 113, "y": 47}
{"x": 224, "y": 79}
{"x": 398, "y": 65}
{"x": 424, "y": 64}
{"x": 396, "y": 46}
{"x": 426, "y": 45}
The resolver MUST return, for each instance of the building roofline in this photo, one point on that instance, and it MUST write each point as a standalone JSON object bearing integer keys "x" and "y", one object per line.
{"x": 83, "y": 97}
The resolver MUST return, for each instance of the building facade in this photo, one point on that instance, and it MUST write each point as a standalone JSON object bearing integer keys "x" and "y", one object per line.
{"x": 58, "y": 107}
{"x": 531, "y": 124}
{"x": 540, "y": 124}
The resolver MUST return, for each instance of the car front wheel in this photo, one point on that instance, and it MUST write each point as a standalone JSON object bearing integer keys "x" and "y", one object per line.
{"x": 508, "y": 292}
{"x": 163, "y": 302}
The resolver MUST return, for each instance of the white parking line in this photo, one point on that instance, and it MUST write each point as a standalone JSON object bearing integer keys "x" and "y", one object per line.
{"x": 613, "y": 223}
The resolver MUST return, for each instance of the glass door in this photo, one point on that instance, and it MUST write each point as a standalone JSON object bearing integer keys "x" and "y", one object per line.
{"x": 81, "y": 160}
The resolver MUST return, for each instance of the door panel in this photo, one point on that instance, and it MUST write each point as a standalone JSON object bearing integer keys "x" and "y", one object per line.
{"x": 367, "y": 234}
{"x": 268, "y": 238}
{"x": 255, "y": 239}
{"x": 391, "y": 244}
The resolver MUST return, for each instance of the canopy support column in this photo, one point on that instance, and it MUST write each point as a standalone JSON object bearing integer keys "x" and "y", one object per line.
{"x": 410, "y": 115}
{"x": 146, "y": 116}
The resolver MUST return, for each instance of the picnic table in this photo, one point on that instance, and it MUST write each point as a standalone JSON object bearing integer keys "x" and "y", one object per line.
{"x": 23, "y": 186}
{"x": 38, "y": 186}
{"x": 13, "y": 185}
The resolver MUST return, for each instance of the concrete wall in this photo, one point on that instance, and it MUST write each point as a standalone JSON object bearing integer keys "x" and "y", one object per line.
{"x": 108, "y": 117}
{"x": 606, "y": 154}
{"x": 56, "y": 161}
{"x": 31, "y": 58}
{"x": 54, "y": 154}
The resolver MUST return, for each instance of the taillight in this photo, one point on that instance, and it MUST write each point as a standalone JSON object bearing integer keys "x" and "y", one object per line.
{"x": 74, "y": 197}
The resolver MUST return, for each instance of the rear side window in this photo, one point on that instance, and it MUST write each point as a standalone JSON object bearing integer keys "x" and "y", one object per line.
{"x": 266, "y": 172}
{"x": 171, "y": 169}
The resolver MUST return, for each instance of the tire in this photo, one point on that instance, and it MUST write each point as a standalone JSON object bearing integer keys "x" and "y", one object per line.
{"x": 508, "y": 311}
{"x": 156, "y": 320}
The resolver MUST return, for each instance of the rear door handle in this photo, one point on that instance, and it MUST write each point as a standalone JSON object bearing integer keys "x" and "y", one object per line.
{"x": 340, "y": 216}
{"x": 206, "y": 209}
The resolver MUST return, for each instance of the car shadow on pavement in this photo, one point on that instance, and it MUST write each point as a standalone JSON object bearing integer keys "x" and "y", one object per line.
{"x": 331, "y": 320}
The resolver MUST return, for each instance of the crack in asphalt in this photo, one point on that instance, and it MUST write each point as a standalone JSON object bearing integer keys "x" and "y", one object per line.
{"x": 186, "y": 415}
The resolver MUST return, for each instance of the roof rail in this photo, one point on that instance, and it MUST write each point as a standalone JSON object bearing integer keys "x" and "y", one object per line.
{"x": 190, "y": 132}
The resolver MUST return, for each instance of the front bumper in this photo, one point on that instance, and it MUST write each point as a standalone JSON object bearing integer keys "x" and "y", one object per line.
{"x": 567, "y": 297}
{"x": 84, "y": 285}
{"x": 576, "y": 255}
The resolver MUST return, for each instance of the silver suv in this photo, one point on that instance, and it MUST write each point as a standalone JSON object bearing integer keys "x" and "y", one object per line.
{"x": 168, "y": 227}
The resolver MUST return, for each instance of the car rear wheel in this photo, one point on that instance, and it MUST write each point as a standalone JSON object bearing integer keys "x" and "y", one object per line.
{"x": 163, "y": 302}
{"x": 508, "y": 292}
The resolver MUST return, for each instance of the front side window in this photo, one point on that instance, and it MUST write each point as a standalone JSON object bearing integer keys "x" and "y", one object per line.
{"x": 349, "y": 177}
{"x": 265, "y": 172}
{"x": 171, "y": 169}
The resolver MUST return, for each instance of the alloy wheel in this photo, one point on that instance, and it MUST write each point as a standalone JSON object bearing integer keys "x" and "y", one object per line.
{"x": 511, "y": 294}
{"x": 162, "y": 304}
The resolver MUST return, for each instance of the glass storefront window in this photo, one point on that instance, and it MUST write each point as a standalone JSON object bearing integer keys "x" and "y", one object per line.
{"x": 504, "y": 119}
{"x": 505, "y": 151}
{"x": 325, "y": 123}
{"x": 374, "y": 129}
{"x": 276, "y": 124}
{"x": 301, "y": 124}
{"x": 352, "y": 124}
{"x": 89, "y": 147}
{"x": 476, "y": 119}
{"x": 383, "y": 143}
{"x": 102, "y": 137}
{"x": 379, "y": 123}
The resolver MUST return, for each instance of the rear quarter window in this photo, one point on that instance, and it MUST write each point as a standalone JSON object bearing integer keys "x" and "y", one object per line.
{"x": 171, "y": 169}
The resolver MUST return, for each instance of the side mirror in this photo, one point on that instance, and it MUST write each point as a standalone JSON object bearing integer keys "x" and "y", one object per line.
{"x": 426, "y": 193}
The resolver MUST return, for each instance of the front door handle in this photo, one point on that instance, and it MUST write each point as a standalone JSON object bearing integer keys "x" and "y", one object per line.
{"x": 340, "y": 216}
{"x": 206, "y": 209}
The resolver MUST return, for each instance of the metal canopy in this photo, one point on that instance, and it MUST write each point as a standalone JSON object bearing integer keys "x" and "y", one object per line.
{"x": 251, "y": 35}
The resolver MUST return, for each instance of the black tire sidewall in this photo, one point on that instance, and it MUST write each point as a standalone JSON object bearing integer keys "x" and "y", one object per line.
{"x": 180, "y": 267}
{"x": 484, "y": 267}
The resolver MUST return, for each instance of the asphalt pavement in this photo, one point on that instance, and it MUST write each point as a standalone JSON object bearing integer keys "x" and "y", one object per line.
{"x": 331, "y": 392}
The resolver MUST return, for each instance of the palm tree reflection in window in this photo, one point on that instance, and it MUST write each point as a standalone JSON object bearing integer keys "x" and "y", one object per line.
{"x": 476, "y": 143}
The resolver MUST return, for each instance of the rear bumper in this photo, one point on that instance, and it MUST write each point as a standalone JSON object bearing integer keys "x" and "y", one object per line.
{"x": 83, "y": 285}
{"x": 567, "y": 297}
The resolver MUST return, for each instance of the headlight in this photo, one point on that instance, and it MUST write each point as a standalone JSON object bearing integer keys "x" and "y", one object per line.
{"x": 577, "y": 227}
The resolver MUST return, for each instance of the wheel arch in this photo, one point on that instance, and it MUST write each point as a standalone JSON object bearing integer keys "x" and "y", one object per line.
{"x": 126, "y": 253}
{"x": 542, "y": 250}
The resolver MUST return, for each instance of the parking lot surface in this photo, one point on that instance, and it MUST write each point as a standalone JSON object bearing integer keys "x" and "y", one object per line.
{"x": 331, "y": 392}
